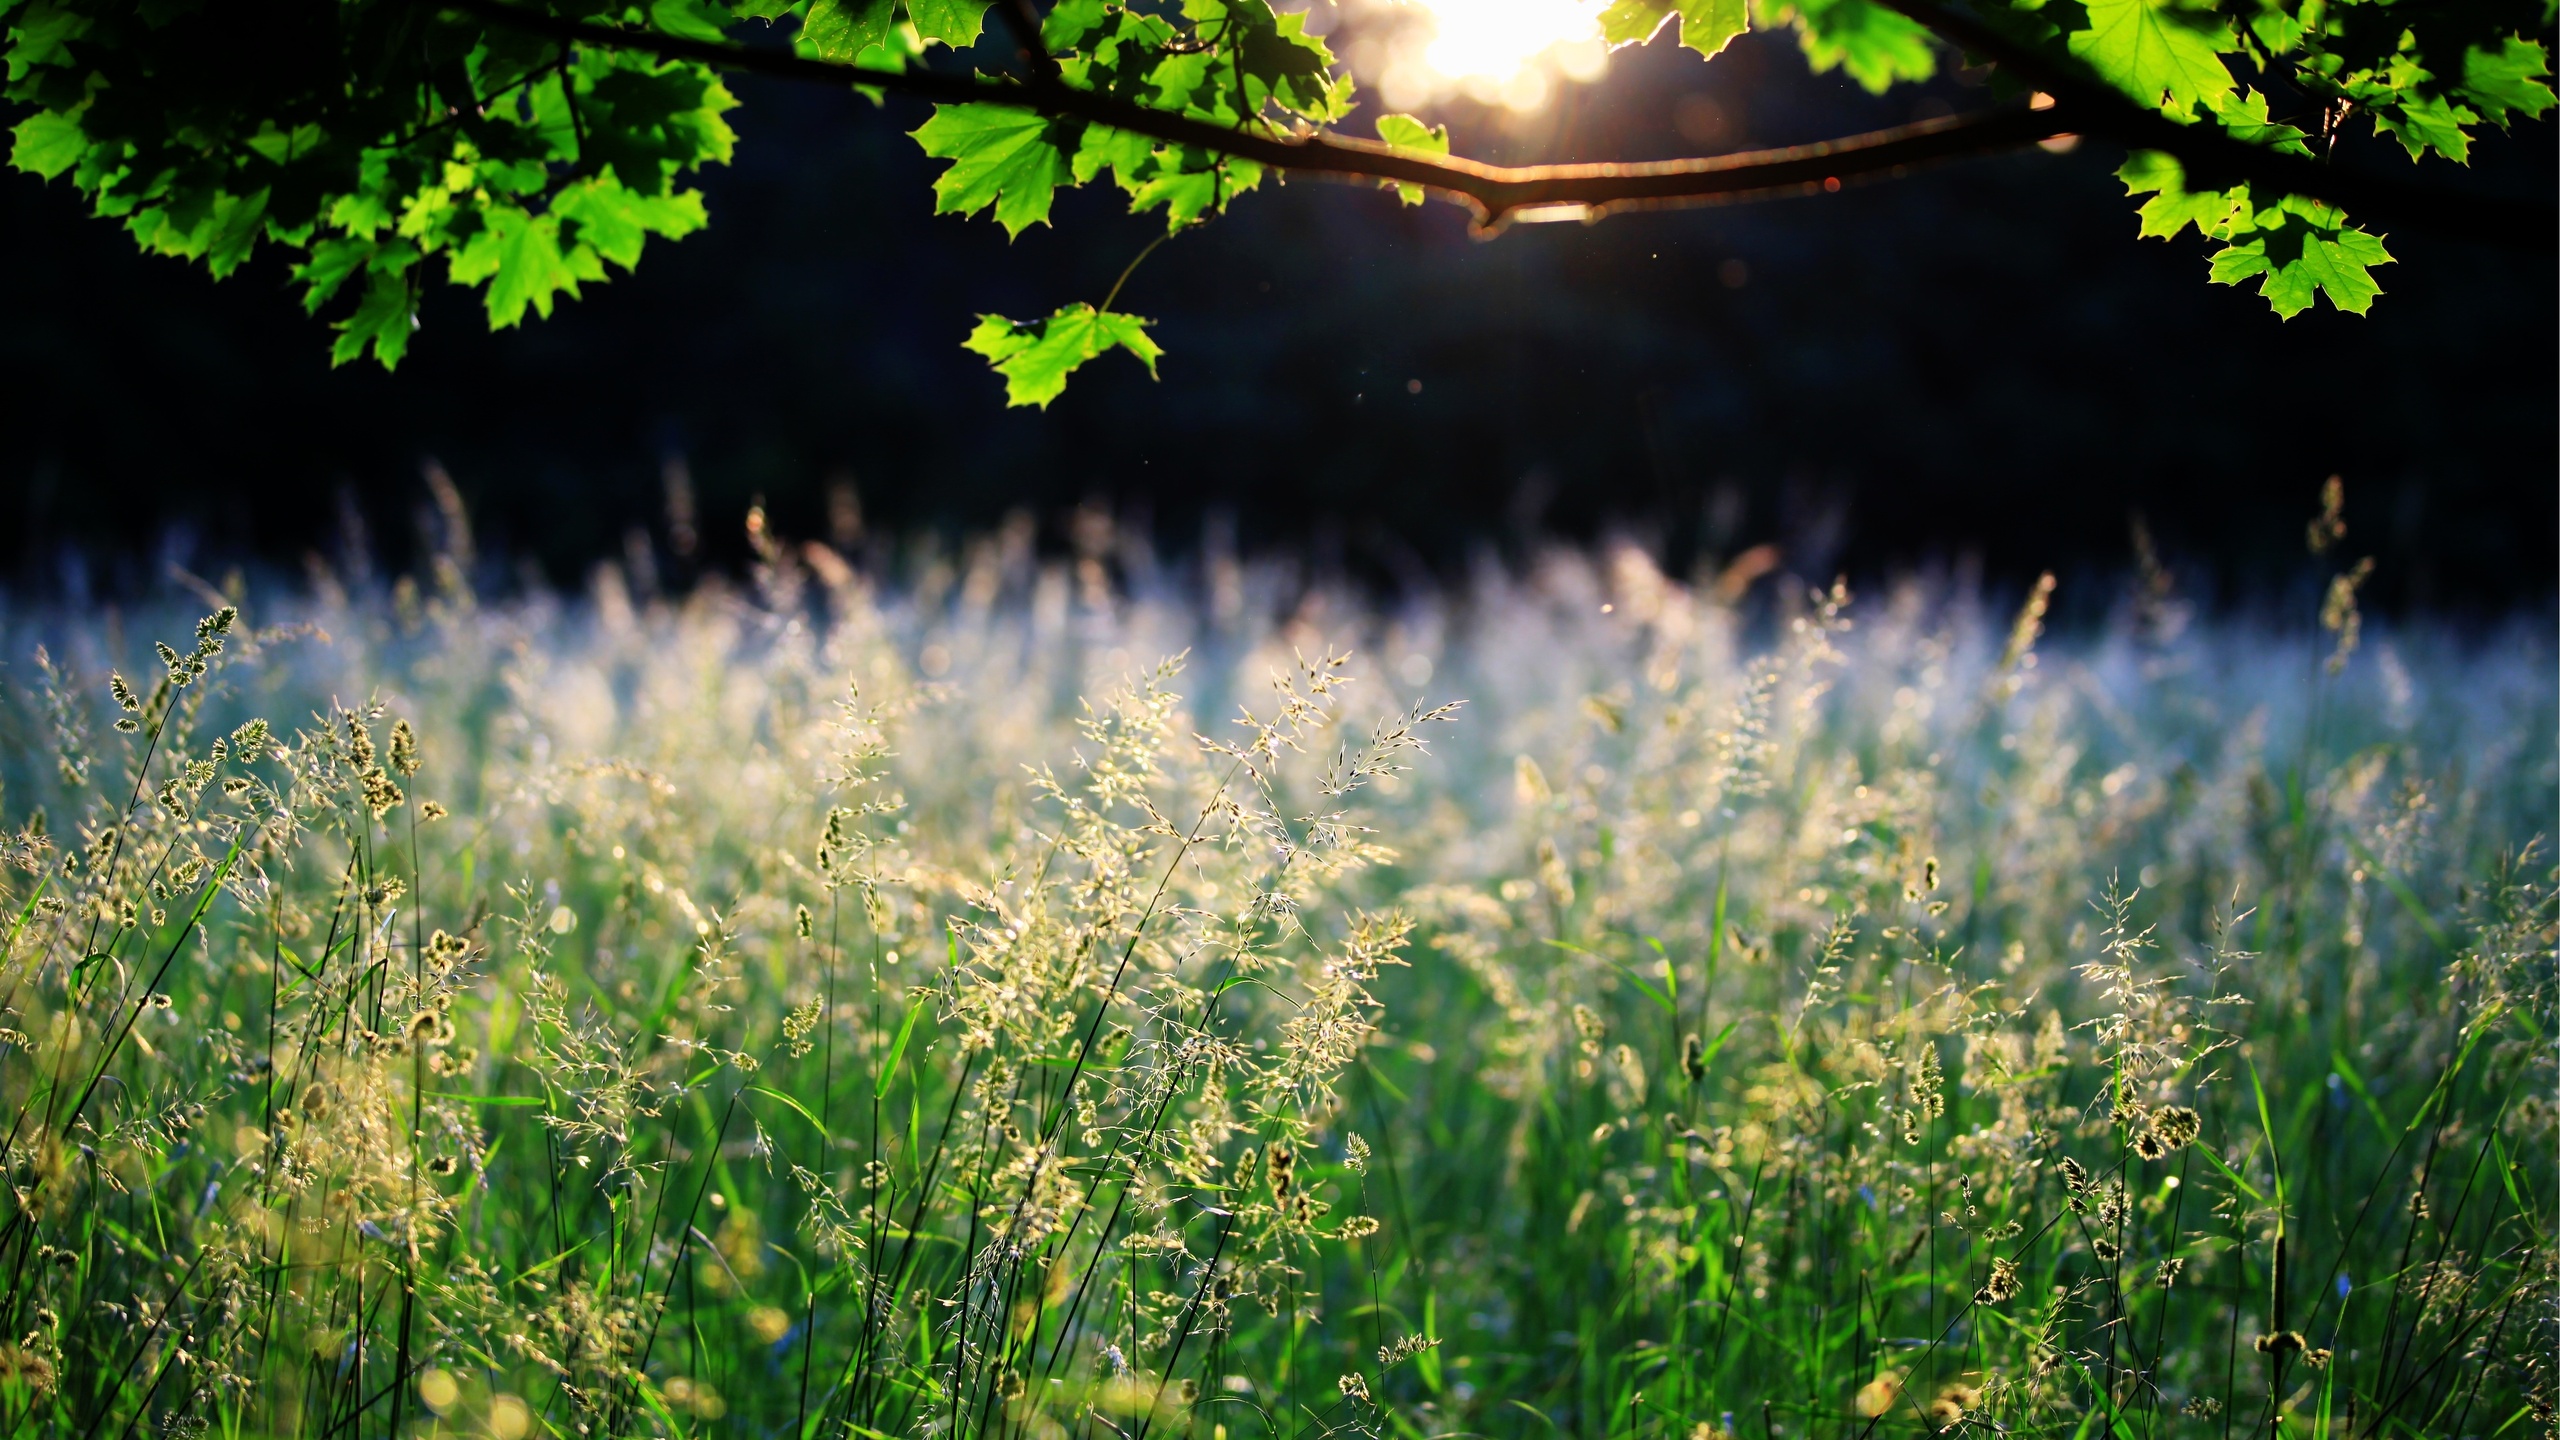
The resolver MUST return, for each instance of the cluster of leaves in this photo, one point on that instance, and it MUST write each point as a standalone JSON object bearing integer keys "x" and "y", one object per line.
{"x": 1235, "y": 64}
{"x": 369, "y": 136}
{"x": 372, "y": 135}
{"x": 2423, "y": 75}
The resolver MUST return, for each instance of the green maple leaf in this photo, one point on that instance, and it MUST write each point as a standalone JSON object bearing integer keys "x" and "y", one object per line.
{"x": 1070, "y": 21}
{"x": 2508, "y": 78}
{"x": 616, "y": 221}
{"x": 2157, "y": 52}
{"x": 2172, "y": 207}
{"x": 1123, "y": 152}
{"x": 206, "y": 224}
{"x": 48, "y": 143}
{"x": 521, "y": 257}
{"x": 1000, "y": 156}
{"x": 2428, "y": 122}
{"x": 955, "y": 23}
{"x": 385, "y": 317}
{"x": 692, "y": 19}
{"x": 333, "y": 261}
{"x": 1189, "y": 184}
{"x": 1035, "y": 357}
{"x": 1706, "y": 26}
{"x": 1406, "y": 133}
{"x": 2300, "y": 250}
{"x": 2244, "y": 116}
{"x": 1875, "y": 45}
{"x": 841, "y": 30}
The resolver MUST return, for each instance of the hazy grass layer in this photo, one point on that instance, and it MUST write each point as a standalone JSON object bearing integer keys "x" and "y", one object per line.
{"x": 791, "y": 1012}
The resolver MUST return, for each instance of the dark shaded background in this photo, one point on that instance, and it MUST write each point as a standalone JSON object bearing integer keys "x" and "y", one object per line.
{"x": 1981, "y": 362}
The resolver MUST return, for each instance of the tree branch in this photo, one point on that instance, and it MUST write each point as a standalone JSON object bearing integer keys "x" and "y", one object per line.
{"x": 1498, "y": 193}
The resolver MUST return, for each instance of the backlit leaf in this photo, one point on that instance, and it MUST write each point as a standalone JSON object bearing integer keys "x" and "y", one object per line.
{"x": 2173, "y": 207}
{"x": 1035, "y": 357}
{"x": 1875, "y": 45}
{"x": 48, "y": 143}
{"x": 956, "y": 23}
{"x": 1000, "y": 156}
{"x": 840, "y": 30}
{"x": 2428, "y": 122}
{"x": 616, "y": 222}
{"x": 1406, "y": 133}
{"x": 2158, "y": 52}
{"x": 2508, "y": 79}
{"x": 1706, "y": 26}
{"x": 383, "y": 319}
{"x": 524, "y": 263}
{"x": 2300, "y": 251}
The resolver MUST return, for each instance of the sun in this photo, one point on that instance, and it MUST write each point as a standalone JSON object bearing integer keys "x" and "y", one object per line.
{"x": 1505, "y": 52}
{"x": 1496, "y": 39}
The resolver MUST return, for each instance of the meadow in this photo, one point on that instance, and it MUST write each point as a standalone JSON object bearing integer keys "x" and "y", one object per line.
{"x": 1000, "y": 997}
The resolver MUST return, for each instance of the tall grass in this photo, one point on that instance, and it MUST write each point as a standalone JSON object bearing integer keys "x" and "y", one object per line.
{"x": 790, "y": 1011}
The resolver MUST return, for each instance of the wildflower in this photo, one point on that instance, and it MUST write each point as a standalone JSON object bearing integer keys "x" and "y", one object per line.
{"x": 1406, "y": 1348}
{"x": 443, "y": 1165}
{"x": 2001, "y": 1285}
{"x": 803, "y": 922}
{"x": 2316, "y": 1359}
{"x": 429, "y": 810}
{"x": 797, "y": 1024}
{"x": 2339, "y": 614}
{"x": 2176, "y": 1126}
{"x": 2202, "y": 1407}
{"x": 2282, "y": 1342}
{"x": 2149, "y": 1145}
{"x": 2329, "y": 526}
{"x": 404, "y": 749}
{"x": 21, "y": 1366}
{"x": 2169, "y": 1272}
{"x": 381, "y": 796}
{"x": 1353, "y": 1385}
{"x": 1927, "y": 1087}
{"x": 2106, "y": 1249}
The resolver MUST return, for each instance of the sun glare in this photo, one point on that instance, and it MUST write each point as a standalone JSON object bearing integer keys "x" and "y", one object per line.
{"x": 1498, "y": 52}
{"x": 1496, "y": 39}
